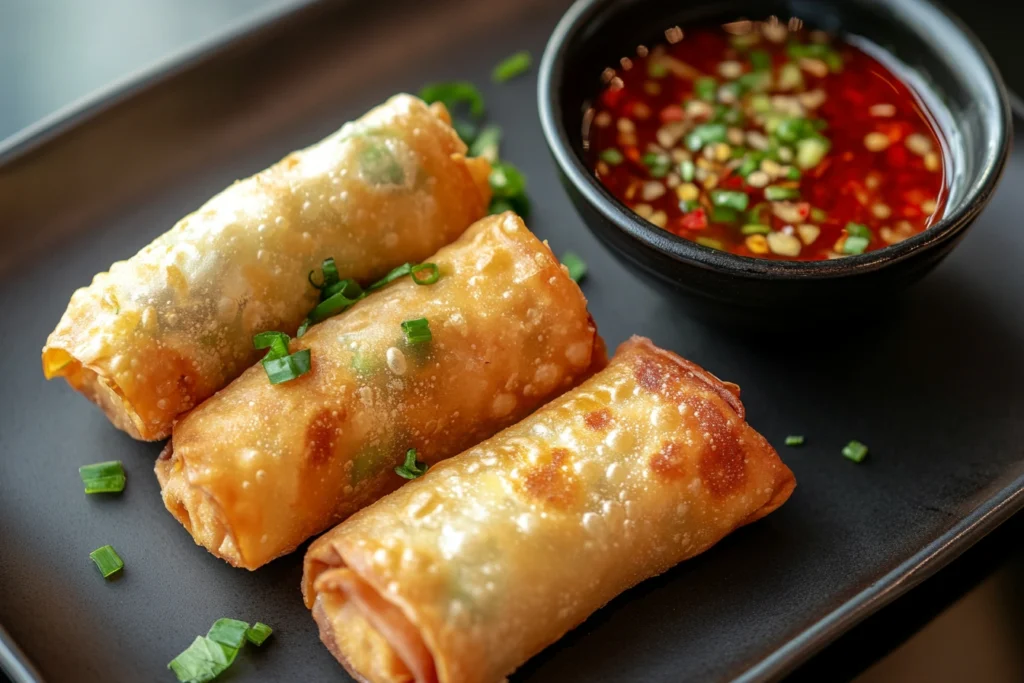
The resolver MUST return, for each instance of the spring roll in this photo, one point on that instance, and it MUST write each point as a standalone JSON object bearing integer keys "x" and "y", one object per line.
{"x": 167, "y": 328}
{"x": 465, "y": 573}
{"x": 259, "y": 468}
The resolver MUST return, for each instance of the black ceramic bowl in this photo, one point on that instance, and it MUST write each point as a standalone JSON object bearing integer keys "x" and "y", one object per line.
{"x": 931, "y": 51}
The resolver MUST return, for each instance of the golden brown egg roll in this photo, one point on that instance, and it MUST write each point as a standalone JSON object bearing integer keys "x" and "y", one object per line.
{"x": 259, "y": 468}
{"x": 164, "y": 330}
{"x": 465, "y": 573}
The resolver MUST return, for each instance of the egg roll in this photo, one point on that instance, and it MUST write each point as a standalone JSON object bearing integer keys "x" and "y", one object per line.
{"x": 259, "y": 468}
{"x": 164, "y": 330}
{"x": 465, "y": 573}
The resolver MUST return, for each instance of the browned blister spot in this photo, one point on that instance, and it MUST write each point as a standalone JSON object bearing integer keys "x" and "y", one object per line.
{"x": 551, "y": 481}
{"x": 598, "y": 419}
{"x": 722, "y": 463}
{"x": 670, "y": 461}
{"x": 321, "y": 434}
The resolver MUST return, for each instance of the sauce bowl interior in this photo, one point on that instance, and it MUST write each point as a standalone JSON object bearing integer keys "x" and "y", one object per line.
{"x": 943, "y": 63}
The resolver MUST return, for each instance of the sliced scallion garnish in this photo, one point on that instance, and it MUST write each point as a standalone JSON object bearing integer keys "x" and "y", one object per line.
{"x": 794, "y": 440}
{"x": 107, "y": 560}
{"x": 417, "y": 331}
{"x": 576, "y": 266}
{"x": 486, "y": 143}
{"x": 454, "y": 93}
{"x": 705, "y": 87}
{"x": 258, "y": 634}
{"x": 854, "y": 245}
{"x": 755, "y": 229}
{"x": 202, "y": 661}
{"x": 103, "y": 477}
{"x": 412, "y": 467}
{"x": 510, "y": 67}
{"x": 508, "y": 187}
{"x": 611, "y": 156}
{"x": 687, "y": 169}
{"x": 733, "y": 199}
{"x": 855, "y": 451}
{"x": 279, "y": 365}
{"x": 229, "y": 632}
{"x": 776, "y": 193}
{"x": 858, "y": 230}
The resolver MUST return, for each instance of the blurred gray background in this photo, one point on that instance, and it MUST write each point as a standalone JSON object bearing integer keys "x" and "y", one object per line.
{"x": 55, "y": 52}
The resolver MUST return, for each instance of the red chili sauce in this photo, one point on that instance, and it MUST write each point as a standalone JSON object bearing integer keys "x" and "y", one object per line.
{"x": 765, "y": 139}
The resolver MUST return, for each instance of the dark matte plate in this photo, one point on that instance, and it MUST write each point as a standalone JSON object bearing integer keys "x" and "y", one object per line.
{"x": 934, "y": 387}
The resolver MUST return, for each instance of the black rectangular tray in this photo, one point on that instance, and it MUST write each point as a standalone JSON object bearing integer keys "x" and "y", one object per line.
{"x": 933, "y": 386}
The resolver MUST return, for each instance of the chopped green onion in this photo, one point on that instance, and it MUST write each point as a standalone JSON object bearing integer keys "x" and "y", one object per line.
{"x": 303, "y": 328}
{"x": 751, "y": 162}
{"x": 107, "y": 560}
{"x": 733, "y": 199}
{"x": 858, "y": 230}
{"x": 793, "y": 128}
{"x": 508, "y": 186}
{"x": 854, "y": 245}
{"x": 433, "y": 273}
{"x": 855, "y": 451}
{"x": 760, "y": 213}
{"x": 818, "y": 215}
{"x": 258, "y": 634}
{"x": 229, "y": 632}
{"x": 687, "y": 170}
{"x": 794, "y": 441}
{"x": 760, "y": 59}
{"x": 704, "y": 88}
{"x": 576, "y": 266}
{"x": 513, "y": 66}
{"x": 611, "y": 156}
{"x": 810, "y": 151}
{"x": 710, "y": 243}
{"x": 333, "y": 305}
{"x": 417, "y": 331}
{"x": 657, "y": 164}
{"x": 330, "y": 274}
{"x": 834, "y": 61}
{"x": 755, "y": 81}
{"x": 103, "y": 477}
{"x": 287, "y": 368}
{"x": 689, "y": 205}
{"x": 277, "y": 342}
{"x": 724, "y": 214}
{"x": 733, "y": 89}
{"x": 396, "y": 273}
{"x": 210, "y": 655}
{"x": 775, "y": 193}
{"x": 704, "y": 134}
{"x": 793, "y": 173}
{"x": 486, "y": 143}
{"x": 412, "y": 467}
{"x": 655, "y": 69}
{"x": 755, "y": 229}
{"x": 455, "y": 93}
{"x": 203, "y": 661}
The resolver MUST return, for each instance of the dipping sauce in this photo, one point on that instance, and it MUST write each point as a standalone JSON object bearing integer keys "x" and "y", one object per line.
{"x": 766, "y": 139}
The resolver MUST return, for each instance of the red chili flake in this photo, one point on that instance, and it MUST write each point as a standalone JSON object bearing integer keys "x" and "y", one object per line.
{"x": 672, "y": 112}
{"x": 696, "y": 220}
{"x": 911, "y": 211}
{"x": 633, "y": 154}
{"x": 804, "y": 209}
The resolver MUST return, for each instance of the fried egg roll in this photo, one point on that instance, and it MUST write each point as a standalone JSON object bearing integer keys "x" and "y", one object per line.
{"x": 465, "y": 573}
{"x": 259, "y": 468}
{"x": 164, "y": 330}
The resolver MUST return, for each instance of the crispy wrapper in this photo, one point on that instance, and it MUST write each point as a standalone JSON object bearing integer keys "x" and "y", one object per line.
{"x": 468, "y": 571}
{"x": 259, "y": 468}
{"x": 164, "y": 330}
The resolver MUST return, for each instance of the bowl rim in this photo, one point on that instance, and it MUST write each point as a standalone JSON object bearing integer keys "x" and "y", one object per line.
{"x": 950, "y": 227}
